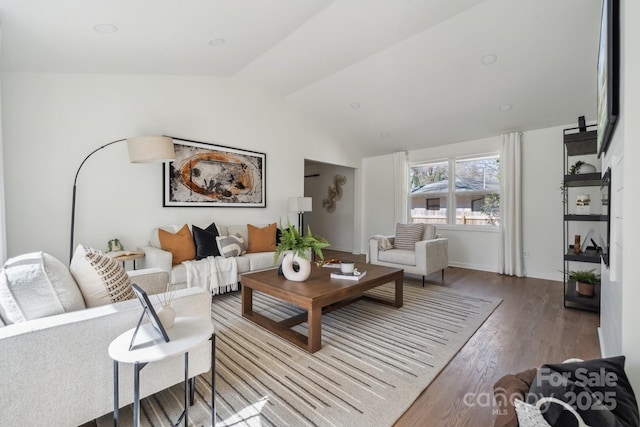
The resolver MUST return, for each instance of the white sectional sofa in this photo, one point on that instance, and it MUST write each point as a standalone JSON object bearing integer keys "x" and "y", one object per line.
{"x": 155, "y": 257}
{"x": 56, "y": 370}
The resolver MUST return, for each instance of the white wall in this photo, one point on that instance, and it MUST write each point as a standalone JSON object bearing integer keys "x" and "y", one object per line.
{"x": 52, "y": 121}
{"x": 477, "y": 248}
{"x": 3, "y": 222}
{"x": 620, "y": 291}
{"x": 338, "y": 226}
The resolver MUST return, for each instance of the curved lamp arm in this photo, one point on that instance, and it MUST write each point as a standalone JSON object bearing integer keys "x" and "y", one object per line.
{"x": 142, "y": 149}
{"x": 73, "y": 198}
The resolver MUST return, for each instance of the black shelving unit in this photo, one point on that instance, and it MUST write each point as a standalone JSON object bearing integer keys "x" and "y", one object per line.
{"x": 579, "y": 142}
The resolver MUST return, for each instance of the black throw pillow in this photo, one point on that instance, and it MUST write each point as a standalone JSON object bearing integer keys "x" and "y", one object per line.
{"x": 597, "y": 389}
{"x": 205, "y": 241}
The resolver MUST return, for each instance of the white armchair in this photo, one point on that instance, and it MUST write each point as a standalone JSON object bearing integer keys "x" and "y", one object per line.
{"x": 430, "y": 254}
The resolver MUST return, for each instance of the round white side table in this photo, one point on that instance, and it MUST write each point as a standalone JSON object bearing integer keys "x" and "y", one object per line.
{"x": 149, "y": 346}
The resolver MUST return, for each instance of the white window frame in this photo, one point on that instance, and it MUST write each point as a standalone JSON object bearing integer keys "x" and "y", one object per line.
{"x": 451, "y": 203}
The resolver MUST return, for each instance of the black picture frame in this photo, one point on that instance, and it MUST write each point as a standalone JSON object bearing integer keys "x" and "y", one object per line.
{"x": 151, "y": 314}
{"x": 211, "y": 175}
{"x": 608, "y": 73}
{"x": 605, "y": 194}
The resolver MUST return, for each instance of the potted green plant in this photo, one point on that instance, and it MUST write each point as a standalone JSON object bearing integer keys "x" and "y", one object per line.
{"x": 298, "y": 246}
{"x": 114, "y": 245}
{"x": 586, "y": 281}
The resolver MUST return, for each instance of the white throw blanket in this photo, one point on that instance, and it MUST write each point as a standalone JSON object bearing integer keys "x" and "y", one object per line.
{"x": 383, "y": 242}
{"x": 216, "y": 274}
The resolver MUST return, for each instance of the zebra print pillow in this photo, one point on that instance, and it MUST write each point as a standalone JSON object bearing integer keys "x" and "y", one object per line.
{"x": 231, "y": 246}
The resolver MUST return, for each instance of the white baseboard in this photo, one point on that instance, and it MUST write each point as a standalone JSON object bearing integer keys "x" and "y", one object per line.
{"x": 545, "y": 275}
{"x": 335, "y": 248}
{"x": 603, "y": 352}
{"x": 490, "y": 269}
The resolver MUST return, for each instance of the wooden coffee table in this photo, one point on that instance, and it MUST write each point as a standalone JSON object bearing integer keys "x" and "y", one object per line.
{"x": 318, "y": 295}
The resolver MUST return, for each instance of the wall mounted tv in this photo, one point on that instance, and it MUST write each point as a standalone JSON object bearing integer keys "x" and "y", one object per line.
{"x": 608, "y": 73}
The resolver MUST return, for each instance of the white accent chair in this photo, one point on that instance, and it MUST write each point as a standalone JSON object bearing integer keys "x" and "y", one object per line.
{"x": 430, "y": 254}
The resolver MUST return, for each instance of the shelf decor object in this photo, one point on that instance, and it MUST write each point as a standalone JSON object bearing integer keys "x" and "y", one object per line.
{"x": 142, "y": 149}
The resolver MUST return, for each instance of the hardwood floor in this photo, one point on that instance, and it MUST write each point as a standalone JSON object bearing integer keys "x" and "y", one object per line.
{"x": 529, "y": 328}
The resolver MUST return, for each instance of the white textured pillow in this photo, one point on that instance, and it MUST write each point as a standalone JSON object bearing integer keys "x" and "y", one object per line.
{"x": 407, "y": 235}
{"x": 529, "y": 415}
{"x": 101, "y": 279}
{"x": 429, "y": 232}
{"x": 36, "y": 285}
{"x": 231, "y": 246}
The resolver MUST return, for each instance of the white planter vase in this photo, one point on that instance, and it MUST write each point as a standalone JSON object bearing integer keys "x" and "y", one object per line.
{"x": 304, "y": 267}
{"x": 167, "y": 316}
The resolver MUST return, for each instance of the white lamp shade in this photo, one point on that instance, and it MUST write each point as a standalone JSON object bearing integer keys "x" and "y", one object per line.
{"x": 300, "y": 204}
{"x": 147, "y": 149}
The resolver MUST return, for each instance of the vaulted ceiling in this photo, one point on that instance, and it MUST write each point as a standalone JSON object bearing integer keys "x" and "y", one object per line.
{"x": 381, "y": 74}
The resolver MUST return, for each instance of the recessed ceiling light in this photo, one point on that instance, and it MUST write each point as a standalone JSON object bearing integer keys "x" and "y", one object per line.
{"x": 505, "y": 107}
{"x": 355, "y": 105}
{"x": 489, "y": 59}
{"x": 105, "y": 28}
{"x": 385, "y": 134}
{"x": 217, "y": 42}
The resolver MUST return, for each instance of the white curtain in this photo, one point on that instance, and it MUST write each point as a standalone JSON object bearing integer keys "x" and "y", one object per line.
{"x": 511, "y": 260}
{"x": 401, "y": 186}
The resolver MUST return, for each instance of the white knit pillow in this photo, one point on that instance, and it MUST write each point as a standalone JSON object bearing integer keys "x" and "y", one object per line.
{"x": 407, "y": 235}
{"x": 101, "y": 279}
{"x": 36, "y": 285}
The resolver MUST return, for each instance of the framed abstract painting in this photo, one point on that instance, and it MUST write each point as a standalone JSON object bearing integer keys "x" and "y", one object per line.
{"x": 210, "y": 175}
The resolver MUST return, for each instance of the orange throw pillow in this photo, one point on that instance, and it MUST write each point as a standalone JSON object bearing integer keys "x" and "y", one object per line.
{"x": 179, "y": 244}
{"x": 262, "y": 239}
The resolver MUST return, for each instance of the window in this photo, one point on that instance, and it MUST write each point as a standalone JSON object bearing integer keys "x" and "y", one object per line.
{"x": 474, "y": 198}
{"x": 429, "y": 193}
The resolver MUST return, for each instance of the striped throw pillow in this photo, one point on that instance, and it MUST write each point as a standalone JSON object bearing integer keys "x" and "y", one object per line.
{"x": 101, "y": 279}
{"x": 407, "y": 235}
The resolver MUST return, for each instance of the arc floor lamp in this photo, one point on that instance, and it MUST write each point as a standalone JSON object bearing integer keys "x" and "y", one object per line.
{"x": 142, "y": 149}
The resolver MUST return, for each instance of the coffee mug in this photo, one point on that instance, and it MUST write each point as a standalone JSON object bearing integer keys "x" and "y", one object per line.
{"x": 347, "y": 267}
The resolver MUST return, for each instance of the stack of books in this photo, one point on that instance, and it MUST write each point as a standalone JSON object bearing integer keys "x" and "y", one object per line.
{"x": 357, "y": 275}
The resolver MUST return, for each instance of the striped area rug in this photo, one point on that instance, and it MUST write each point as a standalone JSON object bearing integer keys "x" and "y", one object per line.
{"x": 374, "y": 362}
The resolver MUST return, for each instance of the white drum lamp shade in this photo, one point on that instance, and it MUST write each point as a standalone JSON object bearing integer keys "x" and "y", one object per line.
{"x": 148, "y": 149}
{"x": 300, "y": 204}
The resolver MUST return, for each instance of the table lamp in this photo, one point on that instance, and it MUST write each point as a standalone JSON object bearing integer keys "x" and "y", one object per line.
{"x": 300, "y": 205}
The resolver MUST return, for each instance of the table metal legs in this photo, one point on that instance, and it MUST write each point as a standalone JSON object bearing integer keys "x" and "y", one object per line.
{"x": 213, "y": 380}
{"x": 136, "y": 394}
{"x": 188, "y": 389}
{"x": 116, "y": 395}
